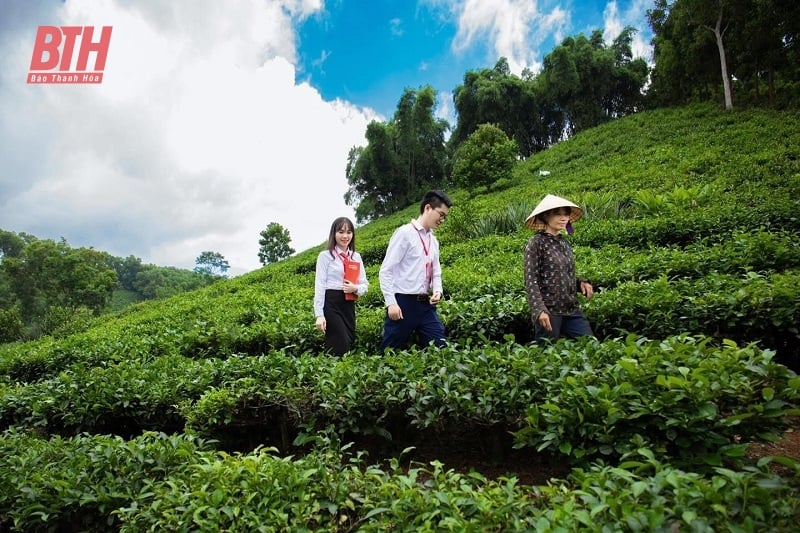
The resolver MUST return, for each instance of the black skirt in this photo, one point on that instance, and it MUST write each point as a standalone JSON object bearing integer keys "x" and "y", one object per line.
{"x": 340, "y": 318}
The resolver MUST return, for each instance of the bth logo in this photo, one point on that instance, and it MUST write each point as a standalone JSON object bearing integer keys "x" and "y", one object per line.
{"x": 54, "y": 49}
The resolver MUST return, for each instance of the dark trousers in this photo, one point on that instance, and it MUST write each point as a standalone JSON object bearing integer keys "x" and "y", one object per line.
{"x": 569, "y": 326}
{"x": 418, "y": 315}
{"x": 340, "y": 318}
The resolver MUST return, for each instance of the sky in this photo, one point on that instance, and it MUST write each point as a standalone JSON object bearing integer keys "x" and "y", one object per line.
{"x": 215, "y": 118}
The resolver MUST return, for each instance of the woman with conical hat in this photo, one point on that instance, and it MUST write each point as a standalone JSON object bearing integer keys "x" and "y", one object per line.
{"x": 550, "y": 280}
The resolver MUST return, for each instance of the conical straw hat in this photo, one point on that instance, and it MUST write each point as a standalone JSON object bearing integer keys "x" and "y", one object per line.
{"x": 551, "y": 202}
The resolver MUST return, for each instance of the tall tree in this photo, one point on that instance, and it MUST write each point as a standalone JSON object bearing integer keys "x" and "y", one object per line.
{"x": 589, "y": 82}
{"x": 685, "y": 33}
{"x": 402, "y": 158}
{"x": 764, "y": 53}
{"x": 716, "y": 18}
{"x": 211, "y": 264}
{"x": 583, "y": 83}
{"x": 424, "y": 144}
{"x": 274, "y": 244}
{"x": 374, "y": 173}
{"x": 496, "y": 96}
{"x": 630, "y": 77}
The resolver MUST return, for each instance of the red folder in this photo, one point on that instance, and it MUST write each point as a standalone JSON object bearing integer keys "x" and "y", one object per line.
{"x": 351, "y": 272}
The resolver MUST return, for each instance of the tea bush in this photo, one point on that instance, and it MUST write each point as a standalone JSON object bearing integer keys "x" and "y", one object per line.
{"x": 690, "y": 238}
{"x": 158, "y": 482}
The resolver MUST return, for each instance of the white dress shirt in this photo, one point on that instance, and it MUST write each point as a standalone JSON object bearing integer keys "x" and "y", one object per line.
{"x": 404, "y": 270}
{"x": 330, "y": 275}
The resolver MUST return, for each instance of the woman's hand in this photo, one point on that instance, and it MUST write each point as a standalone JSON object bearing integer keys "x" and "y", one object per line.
{"x": 350, "y": 287}
{"x": 544, "y": 321}
{"x": 587, "y": 290}
{"x": 321, "y": 323}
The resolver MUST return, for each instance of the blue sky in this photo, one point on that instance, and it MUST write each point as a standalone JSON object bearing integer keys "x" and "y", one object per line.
{"x": 368, "y": 52}
{"x": 393, "y": 45}
{"x": 215, "y": 118}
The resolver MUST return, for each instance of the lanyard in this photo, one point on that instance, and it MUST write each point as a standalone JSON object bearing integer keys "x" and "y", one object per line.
{"x": 428, "y": 265}
{"x": 424, "y": 248}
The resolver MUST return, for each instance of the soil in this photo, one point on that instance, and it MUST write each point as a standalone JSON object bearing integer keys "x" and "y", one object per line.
{"x": 788, "y": 446}
{"x": 532, "y": 468}
{"x": 529, "y": 467}
{"x": 488, "y": 451}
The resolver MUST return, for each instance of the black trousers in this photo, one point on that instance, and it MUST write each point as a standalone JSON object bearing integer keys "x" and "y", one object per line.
{"x": 340, "y": 318}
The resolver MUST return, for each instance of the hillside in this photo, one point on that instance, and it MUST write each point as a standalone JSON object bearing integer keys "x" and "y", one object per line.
{"x": 691, "y": 240}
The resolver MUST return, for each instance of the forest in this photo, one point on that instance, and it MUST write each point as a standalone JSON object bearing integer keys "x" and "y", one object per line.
{"x": 52, "y": 288}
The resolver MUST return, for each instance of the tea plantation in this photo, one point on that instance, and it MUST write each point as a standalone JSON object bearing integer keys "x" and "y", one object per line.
{"x": 216, "y": 411}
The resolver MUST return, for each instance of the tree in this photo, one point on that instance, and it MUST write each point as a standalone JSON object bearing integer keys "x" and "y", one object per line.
{"x": 127, "y": 269}
{"x": 374, "y": 174}
{"x": 274, "y": 244}
{"x": 420, "y": 142}
{"x": 495, "y": 96}
{"x": 763, "y": 52}
{"x": 47, "y": 275}
{"x": 630, "y": 77}
{"x": 211, "y": 264}
{"x": 402, "y": 159}
{"x": 48, "y": 287}
{"x": 716, "y": 19}
{"x": 11, "y": 326}
{"x": 691, "y": 42}
{"x": 161, "y": 282}
{"x": 684, "y": 59}
{"x": 486, "y": 156}
{"x": 589, "y": 83}
{"x": 11, "y": 244}
{"x": 583, "y": 83}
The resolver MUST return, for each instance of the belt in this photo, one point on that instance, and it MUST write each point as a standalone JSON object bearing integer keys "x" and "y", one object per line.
{"x": 417, "y": 297}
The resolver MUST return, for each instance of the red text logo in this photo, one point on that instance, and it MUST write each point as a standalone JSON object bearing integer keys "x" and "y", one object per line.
{"x": 54, "y": 51}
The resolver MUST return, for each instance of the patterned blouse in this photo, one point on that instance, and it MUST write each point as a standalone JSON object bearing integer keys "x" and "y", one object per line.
{"x": 550, "y": 279}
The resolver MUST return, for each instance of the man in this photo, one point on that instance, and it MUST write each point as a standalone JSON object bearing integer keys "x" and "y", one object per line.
{"x": 411, "y": 277}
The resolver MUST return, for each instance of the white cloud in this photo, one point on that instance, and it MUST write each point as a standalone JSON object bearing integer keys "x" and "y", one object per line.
{"x": 396, "y": 27}
{"x": 515, "y": 29}
{"x": 518, "y": 29}
{"x": 197, "y": 138}
{"x": 635, "y": 16}
{"x": 446, "y": 109}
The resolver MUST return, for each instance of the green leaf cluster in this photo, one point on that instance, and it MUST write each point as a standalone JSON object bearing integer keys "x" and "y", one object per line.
{"x": 158, "y": 482}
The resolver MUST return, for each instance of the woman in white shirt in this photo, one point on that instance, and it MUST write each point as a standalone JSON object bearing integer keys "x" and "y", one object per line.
{"x": 335, "y": 294}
